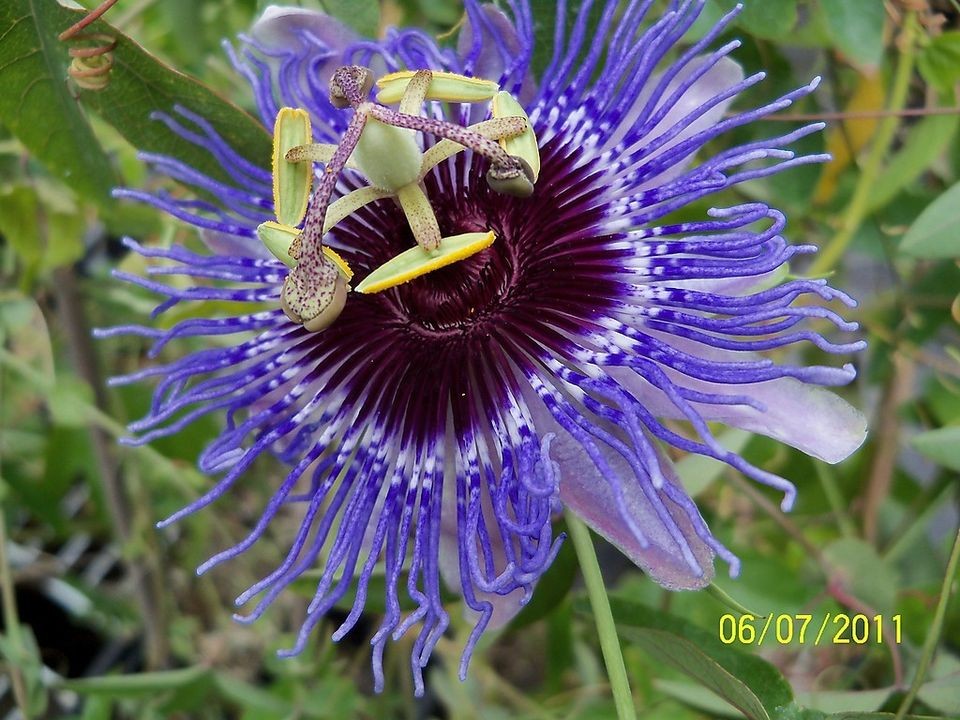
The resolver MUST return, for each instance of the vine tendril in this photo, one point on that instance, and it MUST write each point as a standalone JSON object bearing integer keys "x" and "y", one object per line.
{"x": 92, "y": 60}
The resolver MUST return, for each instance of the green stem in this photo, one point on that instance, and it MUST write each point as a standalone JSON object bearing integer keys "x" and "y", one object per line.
{"x": 8, "y": 595}
{"x": 603, "y": 617}
{"x": 835, "y": 498}
{"x": 936, "y": 627}
{"x": 12, "y": 622}
{"x": 859, "y": 206}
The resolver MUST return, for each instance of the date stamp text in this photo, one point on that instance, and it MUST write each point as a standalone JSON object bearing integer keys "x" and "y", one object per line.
{"x": 807, "y": 629}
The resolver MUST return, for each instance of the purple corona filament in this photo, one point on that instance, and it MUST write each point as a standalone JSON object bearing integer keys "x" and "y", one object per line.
{"x": 435, "y": 428}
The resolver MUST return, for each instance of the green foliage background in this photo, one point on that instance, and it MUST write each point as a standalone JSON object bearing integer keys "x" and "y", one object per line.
{"x": 102, "y": 615}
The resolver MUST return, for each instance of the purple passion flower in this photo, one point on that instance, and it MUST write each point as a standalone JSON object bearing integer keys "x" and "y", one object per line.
{"x": 434, "y": 429}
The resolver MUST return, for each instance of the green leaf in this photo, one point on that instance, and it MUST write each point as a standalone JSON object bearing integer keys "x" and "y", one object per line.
{"x": 925, "y": 143}
{"x": 69, "y": 401}
{"x": 856, "y": 27}
{"x": 769, "y": 19}
{"x": 864, "y": 573}
{"x": 942, "y": 694}
{"x": 140, "y": 85}
{"x": 878, "y": 716}
{"x": 689, "y": 658}
{"x": 747, "y": 682}
{"x": 698, "y": 472}
{"x": 833, "y": 701}
{"x": 934, "y": 234}
{"x": 140, "y": 683}
{"x": 942, "y": 446}
{"x": 19, "y": 214}
{"x": 36, "y": 104}
{"x": 250, "y": 697}
{"x": 361, "y": 15}
{"x": 939, "y": 61}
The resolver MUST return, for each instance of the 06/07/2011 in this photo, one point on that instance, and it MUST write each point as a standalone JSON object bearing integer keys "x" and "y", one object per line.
{"x": 800, "y": 628}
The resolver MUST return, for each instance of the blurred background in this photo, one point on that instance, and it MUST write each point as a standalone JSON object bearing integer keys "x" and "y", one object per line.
{"x": 103, "y": 616}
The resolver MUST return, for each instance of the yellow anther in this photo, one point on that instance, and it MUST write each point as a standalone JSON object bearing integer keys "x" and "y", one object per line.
{"x": 291, "y": 181}
{"x": 278, "y": 239}
{"x": 416, "y": 261}
{"x": 339, "y": 262}
{"x": 445, "y": 86}
{"x": 523, "y": 145}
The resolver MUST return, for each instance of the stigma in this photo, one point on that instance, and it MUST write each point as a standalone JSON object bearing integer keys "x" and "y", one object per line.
{"x": 381, "y": 143}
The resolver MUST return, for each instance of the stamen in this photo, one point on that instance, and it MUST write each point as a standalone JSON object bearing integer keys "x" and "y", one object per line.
{"x": 441, "y": 128}
{"x": 495, "y": 129}
{"x": 525, "y": 145}
{"x": 420, "y": 216}
{"x": 316, "y": 152}
{"x": 415, "y": 93}
{"x": 291, "y": 181}
{"x": 444, "y": 86}
{"x": 416, "y": 261}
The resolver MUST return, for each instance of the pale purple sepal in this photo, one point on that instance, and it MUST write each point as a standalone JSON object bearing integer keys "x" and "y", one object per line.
{"x": 722, "y": 76}
{"x": 283, "y": 29}
{"x": 805, "y": 416}
{"x": 489, "y": 61}
{"x": 220, "y": 243}
{"x": 686, "y": 565}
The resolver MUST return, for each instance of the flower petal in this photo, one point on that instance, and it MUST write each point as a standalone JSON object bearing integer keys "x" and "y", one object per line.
{"x": 220, "y": 243}
{"x": 588, "y": 493}
{"x": 722, "y": 76}
{"x": 283, "y": 29}
{"x": 486, "y": 55}
{"x": 808, "y": 417}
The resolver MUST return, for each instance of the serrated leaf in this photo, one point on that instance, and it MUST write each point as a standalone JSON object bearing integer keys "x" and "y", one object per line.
{"x": 942, "y": 446}
{"x": 361, "y": 15}
{"x": 942, "y": 694}
{"x": 933, "y": 234}
{"x": 939, "y": 61}
{"x": 856, "y": 28}
{"x": 768, "y": 19}
{"x": 690, "y": 659}
{"x": 864, "y": 574}
{"x": 926, "y": 141}
{"x": 36, "y": 103}
{"x": 140, "y": 85}
{"x": 135, "y": 685}
{"x": 747, "y": 682}
{"x": 878, "y": 716}
{"x": 833, "y": 701}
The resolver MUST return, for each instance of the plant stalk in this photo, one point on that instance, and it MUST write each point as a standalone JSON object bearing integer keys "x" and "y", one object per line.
{"x": 603, "y": 617}
{"x": 859, "y": 206}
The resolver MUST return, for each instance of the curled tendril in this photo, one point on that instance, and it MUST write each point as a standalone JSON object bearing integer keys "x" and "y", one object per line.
{"x": 92, "y": 59}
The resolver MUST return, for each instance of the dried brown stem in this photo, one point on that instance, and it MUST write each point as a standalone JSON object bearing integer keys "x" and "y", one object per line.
{"x": 887, "y": 436}
{"x": 90, "y": 18}
{"x": 144, "y": 576}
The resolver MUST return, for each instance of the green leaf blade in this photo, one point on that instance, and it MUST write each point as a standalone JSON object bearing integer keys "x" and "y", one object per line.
{"x": 731, "y": 673}
{"x": 36, "y": 103}
{"x": 942, "y": 446}
{"x": 934, "y": 234}
{"x": 141, "y": 86}
{"x": 856, "y": 28}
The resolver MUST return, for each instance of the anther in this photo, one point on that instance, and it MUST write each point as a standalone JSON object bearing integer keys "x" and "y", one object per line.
{"x": 350, "y": 85}
{"x": 515, "y": 178}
